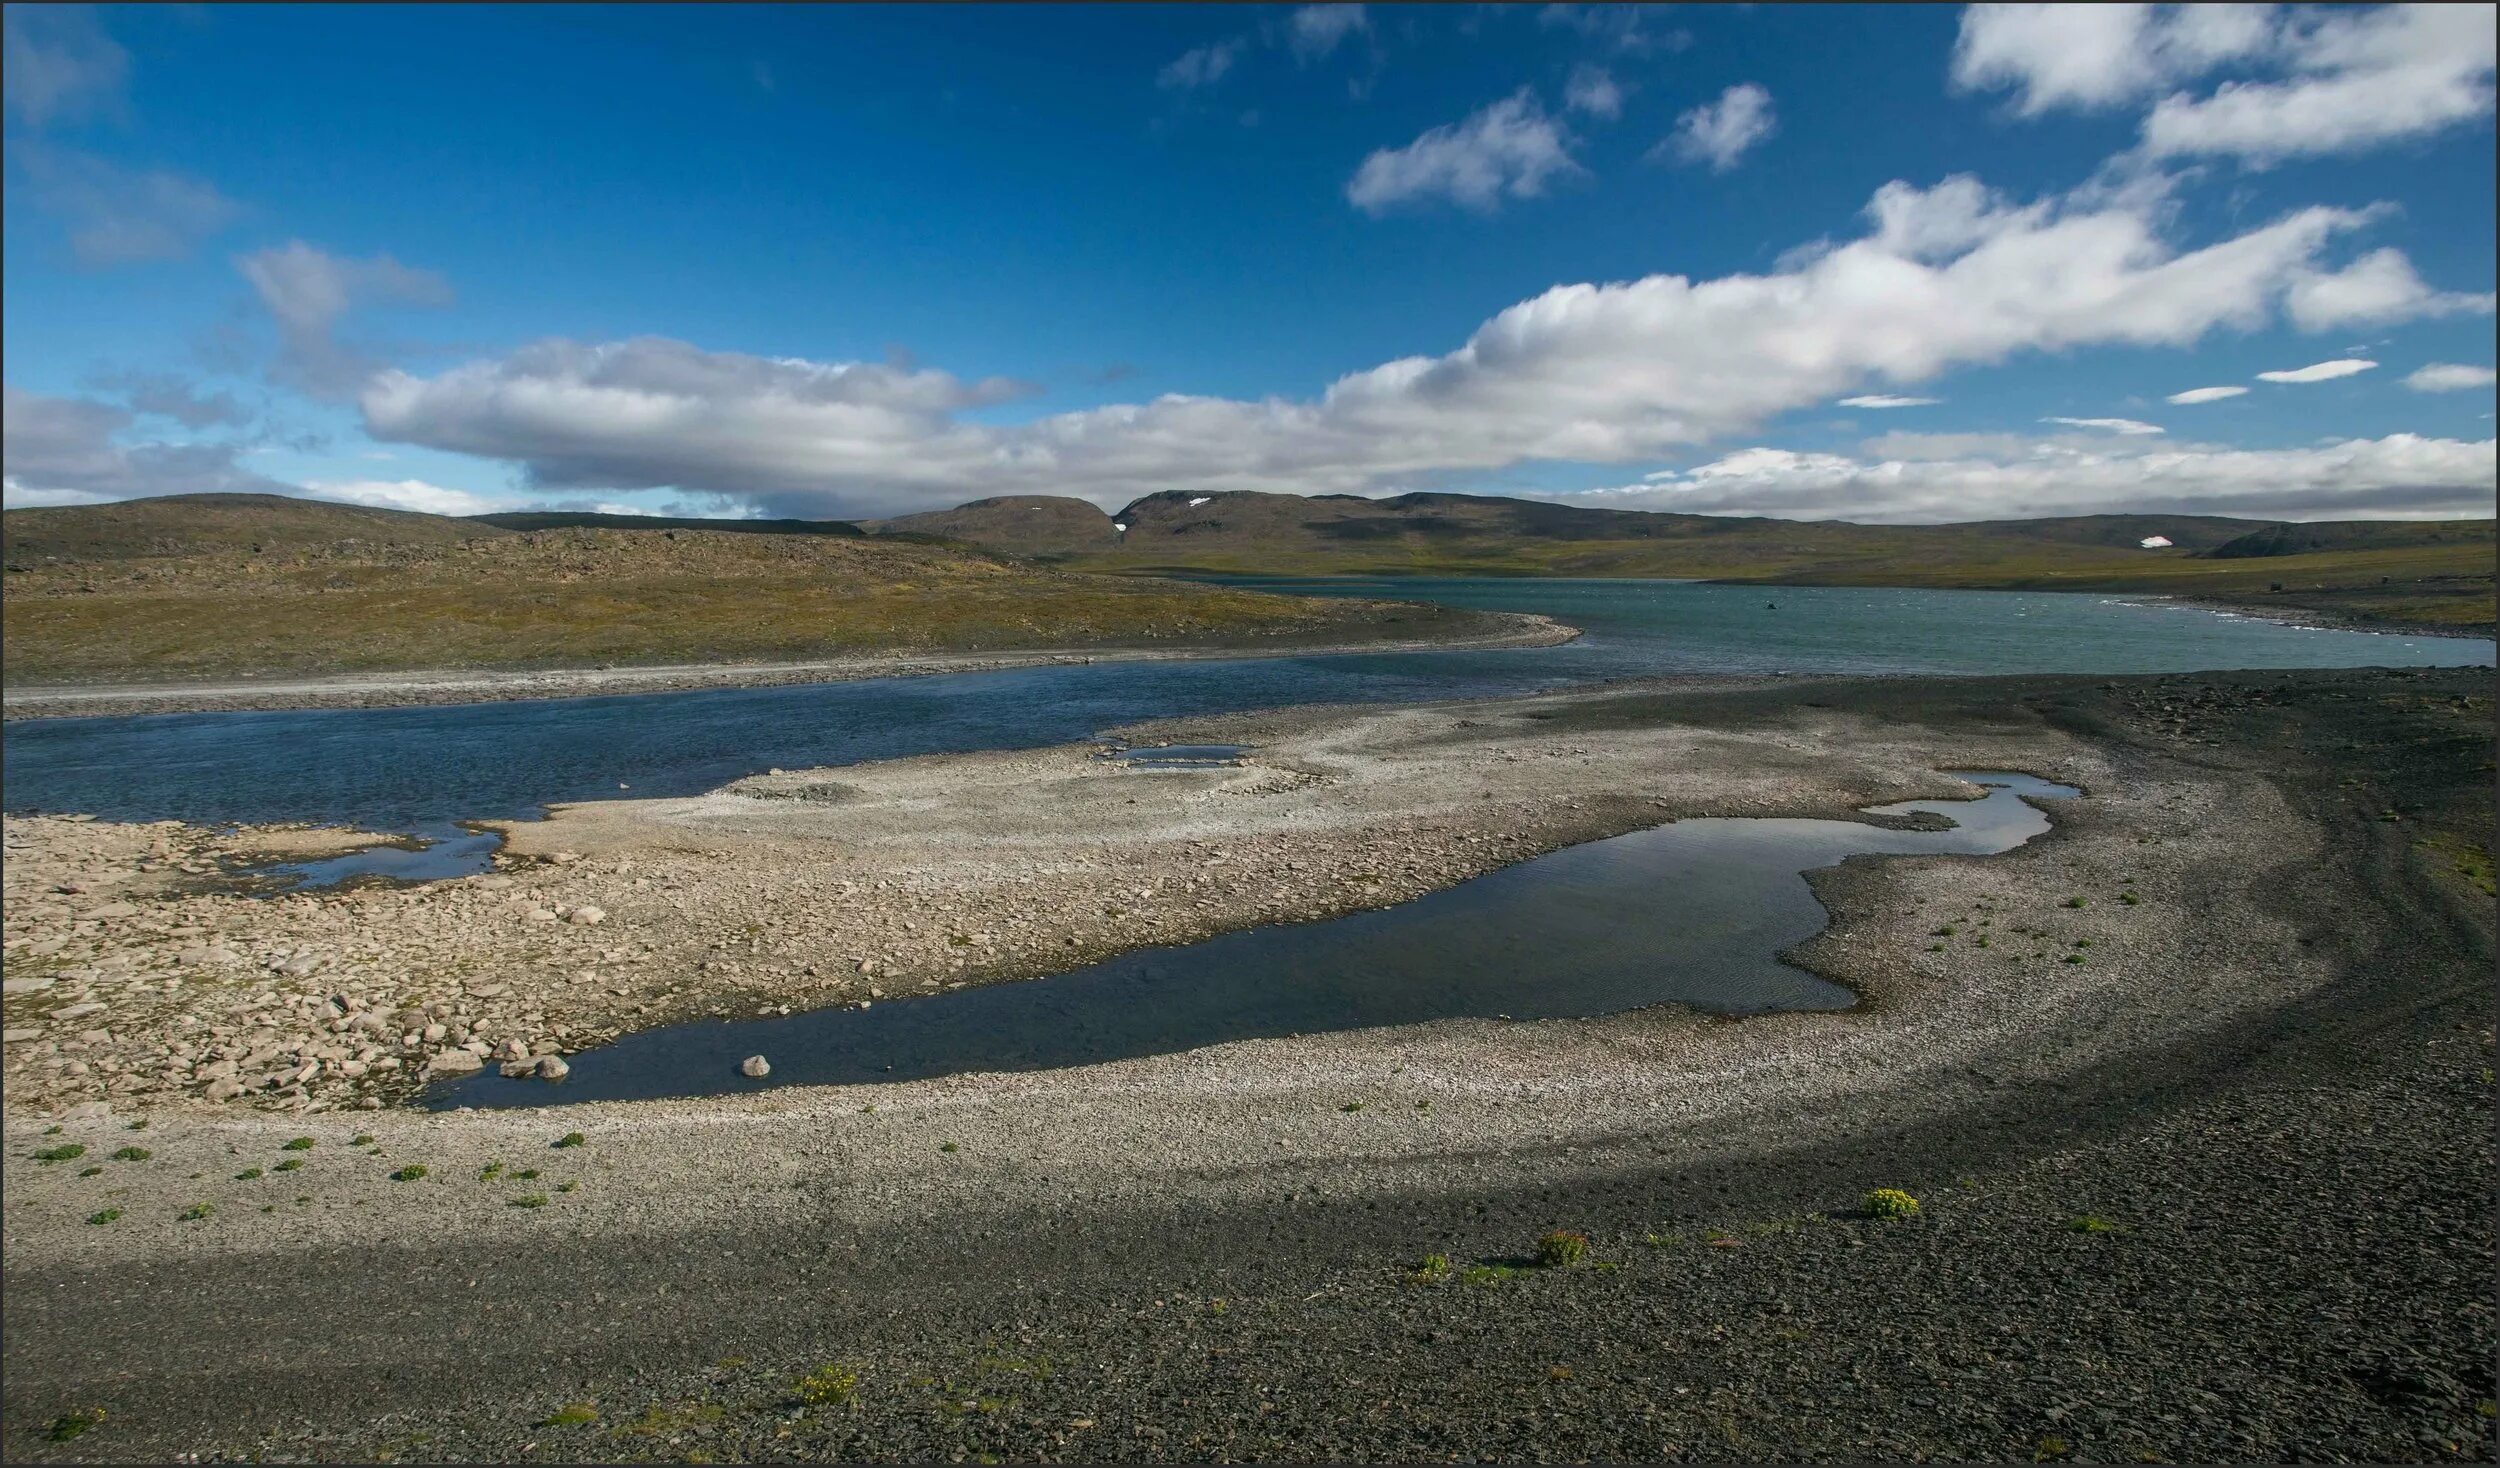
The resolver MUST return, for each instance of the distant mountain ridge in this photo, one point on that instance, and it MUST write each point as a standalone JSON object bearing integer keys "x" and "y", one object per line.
{"x": 1251, "y": 522}
{"x": 2420, "y": 573}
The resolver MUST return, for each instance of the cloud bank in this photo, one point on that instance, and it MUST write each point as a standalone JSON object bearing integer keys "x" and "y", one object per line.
{"x": 1947, "y": 277}
{"x": 2400, "y": 476}
{"x": 57, "y": 450}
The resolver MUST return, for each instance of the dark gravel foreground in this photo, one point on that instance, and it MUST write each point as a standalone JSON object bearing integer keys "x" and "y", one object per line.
{"x": 2298, "y": 1263}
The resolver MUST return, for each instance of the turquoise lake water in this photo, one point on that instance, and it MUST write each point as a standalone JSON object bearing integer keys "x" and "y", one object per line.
{"x": 417, "y": 769}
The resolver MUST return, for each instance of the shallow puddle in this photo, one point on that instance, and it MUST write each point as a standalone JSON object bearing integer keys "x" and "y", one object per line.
{"x": 1695, "y": 912}
{"x": 434, "y": 853}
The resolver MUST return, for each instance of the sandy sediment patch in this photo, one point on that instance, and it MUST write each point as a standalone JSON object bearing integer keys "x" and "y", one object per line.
{"x": 855, "y": 885}
{"x": 453, "y": 686}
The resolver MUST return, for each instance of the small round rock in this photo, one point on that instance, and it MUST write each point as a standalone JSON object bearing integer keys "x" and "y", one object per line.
{"x": 755, "y": 1067}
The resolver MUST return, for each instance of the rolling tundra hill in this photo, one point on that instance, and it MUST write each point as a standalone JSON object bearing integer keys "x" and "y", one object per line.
{"x": 208, "y": 586}
{"x": 2388, "y": 572}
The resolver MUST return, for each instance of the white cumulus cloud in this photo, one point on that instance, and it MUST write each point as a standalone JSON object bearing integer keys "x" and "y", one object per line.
{"x": 2296, "y": 81}
{"x": 2205, "y": 394}
{"x": 2448, "y": 377}
{"x": 1510, "y": 148}
{"x": 2320, "y": 371}
{"x": 1887, "y": 400}
{"x": 2128, "y": 426}
{"x": 2359, "y": 79}
{"x": 1943, "y": 278}
{"x": 1720, "y": 133}
{"x": 2379, "y": 287}
{"x": 2099, "y": 56}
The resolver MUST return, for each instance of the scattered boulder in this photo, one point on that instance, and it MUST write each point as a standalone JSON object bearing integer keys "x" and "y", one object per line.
{"x": 553, "y": 1068}
{"x": 755, "y": 1067}
{"x": 586, "y": 916}
{"x": 454, "y": 1063}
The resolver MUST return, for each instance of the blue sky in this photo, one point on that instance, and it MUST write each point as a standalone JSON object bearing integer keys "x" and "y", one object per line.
{"x": 863, "y": 260}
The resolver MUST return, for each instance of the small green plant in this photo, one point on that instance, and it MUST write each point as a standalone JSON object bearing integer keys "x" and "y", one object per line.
{"x": 2072, "y": 958}
{"x": 530, "y": 1200}
{"x": 1351, "y": 1106}
{"x": 1433, "y": 1270}
{"x": 1561, "y": 1248}
{"x": 1662, "y": 1240}
{"x": 2091, "y": 1223}
{"x": 490, "y": 1172}
{"x": 2076, "y": 902}
{"x": 289, "y": 1165}
{"x": 526, "y": 1173}
{"x": 1891, "y": 1203}
{"x": 361, "y": 1139}
{"x": 2051, "y": 1449}
{"x": 91, "y": 1172}
{"x": 2129, "y": 898}
{"x": 67, "y": 1151}
{"x": 70, "y": 1425}
{"x": 104, "y": 1216}
{"x": 566, "y": 1187}
{"x": 569, "y": 1139}
{"x": 247, "y": 1174}
{"x": 828, "y": 1385}
{"x": 1487, "y": 1274}
{"x": 300, "y": 1144}
{"x": 948, "y": 1147}
{"x": 133, "y": 1154}
{"x": 195, "y": 1213}
{"x": 410, "y": 1173}
{"x": 1944, "y": 932}
{"x": 572, "y": 1414}
{"x": 140, "y": 1125}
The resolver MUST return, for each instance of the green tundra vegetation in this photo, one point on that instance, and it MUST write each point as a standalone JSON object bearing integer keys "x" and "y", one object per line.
{"x": 2418, "y": 573}
{"x": 204, "y": 586}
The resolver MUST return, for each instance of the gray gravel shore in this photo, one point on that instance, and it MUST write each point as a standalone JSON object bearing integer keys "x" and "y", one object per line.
{"x": 2269, "y": 1075}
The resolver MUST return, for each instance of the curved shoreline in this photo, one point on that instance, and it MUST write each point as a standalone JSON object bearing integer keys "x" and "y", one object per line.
{"x": 424, "y": 688}
{"x": 1222, "y": 1240}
